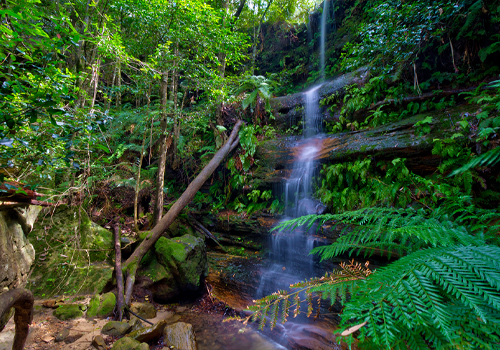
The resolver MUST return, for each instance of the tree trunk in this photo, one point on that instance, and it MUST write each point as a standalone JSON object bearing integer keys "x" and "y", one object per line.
{"x": 118, "y": 85}
{"x": 132, "y": 263}
{"x": 256, "y": 35}
{"x": 120, "y": 304}
{"x": 138, "y": 180}
{"x": 158, "y": 211}
{"x": 22, "y": 301}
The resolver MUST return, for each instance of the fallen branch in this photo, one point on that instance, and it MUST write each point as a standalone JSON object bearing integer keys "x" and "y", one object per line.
{"x": 132, "y": 263}
{"x": 206, "y": 232}
{"x": 136, "y": 315}
{"x": 22, "y": 301}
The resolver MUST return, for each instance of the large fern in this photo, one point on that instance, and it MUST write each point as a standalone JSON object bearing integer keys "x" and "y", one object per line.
{"x": 388, "y": 231}
{"x": 434, "y": 298}
{"x": 444, "y": 292}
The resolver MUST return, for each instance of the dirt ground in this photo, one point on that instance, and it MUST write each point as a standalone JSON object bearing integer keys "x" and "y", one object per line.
{"x": 45, "y": 328}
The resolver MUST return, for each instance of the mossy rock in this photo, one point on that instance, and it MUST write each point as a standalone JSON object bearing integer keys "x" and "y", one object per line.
{"x": 177, "y": 267}
{"x": 68, "y": 312}
{"x": 73, "y": 255}
{"x": 101, "y": 305}
{"x": 128, "y": 343}
{"x": 116, "y": 328}
{"x": 188, "y": 253}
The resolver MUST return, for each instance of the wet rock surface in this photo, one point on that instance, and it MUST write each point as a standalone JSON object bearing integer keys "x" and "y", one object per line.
{"x": 398, "y": 139}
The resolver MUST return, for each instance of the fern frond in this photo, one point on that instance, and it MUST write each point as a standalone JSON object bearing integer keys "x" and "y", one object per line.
{"x": 427, "y": 289}
{"x": 488, "y": 158}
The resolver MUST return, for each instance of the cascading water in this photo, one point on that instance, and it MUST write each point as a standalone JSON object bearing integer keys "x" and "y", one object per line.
{"x": 289, "y": 251}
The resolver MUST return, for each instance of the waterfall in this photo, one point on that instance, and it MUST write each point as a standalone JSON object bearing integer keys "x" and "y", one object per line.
{"x": 289, "y": 251}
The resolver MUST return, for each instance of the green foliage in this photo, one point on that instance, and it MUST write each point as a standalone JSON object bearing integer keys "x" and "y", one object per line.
{"x": 491, "y": 157}
{"x": 345, "y": 186}
{"x": 442, "y": 292}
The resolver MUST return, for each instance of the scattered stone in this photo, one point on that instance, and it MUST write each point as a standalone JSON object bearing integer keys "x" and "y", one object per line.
{"x": 101, "y": 305}
{"x": 116, "y": 328}
{"x": 144, "y": 310}
{"x": 135, "y": 324}
{"x": 148, "y": 334}
{"x": 68, "y": 312}
{"x": 61, "y": 335}
{"x": 128, "y": 343}
{"x": 47, "y": 338}
{"x": 73, "y": 338}
{"x": 99, "y": 343}
{"x": 52, "y": 303}
{"x": 180, "y": 335}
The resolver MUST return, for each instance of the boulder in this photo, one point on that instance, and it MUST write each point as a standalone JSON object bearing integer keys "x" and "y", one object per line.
{"x": 71, "y": 268}
{"x": 177, "y": 268}
{"x": 16, "y": 253}
{"x": 116, "y": 328}
{"x": 61, "y": 335}
{"x": 128, "y": 343}
{"x": 68, "y": 312}
{"x": 101, "y": 305}
{"x": 180, "y": 335}
{"x": 144, "y": 310}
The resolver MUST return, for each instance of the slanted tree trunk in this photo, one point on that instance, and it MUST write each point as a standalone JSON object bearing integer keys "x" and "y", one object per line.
{"x": 132, "y": 263}
{"x": 22, "y": 301}
{"x": 160, "y": 179}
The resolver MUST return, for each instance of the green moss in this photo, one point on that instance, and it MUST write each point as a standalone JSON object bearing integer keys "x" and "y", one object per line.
{"x": 108, "y": 302}
{"x": 93, "y": 306}
{"x": 143, "y": 235}
{"x": 167, "y": 249}
{"x": 68, "y": 312}
{"x": 69, "y": 271}
{"x": 154, "y": 270}
{"x": 101, "y": 305}
{"x": 127, "y": 343}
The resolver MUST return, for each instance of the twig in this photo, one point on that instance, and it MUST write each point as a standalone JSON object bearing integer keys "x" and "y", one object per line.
{"x": 136, "y": 315}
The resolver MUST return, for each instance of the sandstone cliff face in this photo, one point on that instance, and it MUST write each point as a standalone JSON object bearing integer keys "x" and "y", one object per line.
{"x": 16, "y": 253}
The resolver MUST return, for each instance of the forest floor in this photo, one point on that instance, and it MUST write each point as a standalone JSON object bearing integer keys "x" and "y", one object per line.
{"x": 205, "y": 314}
